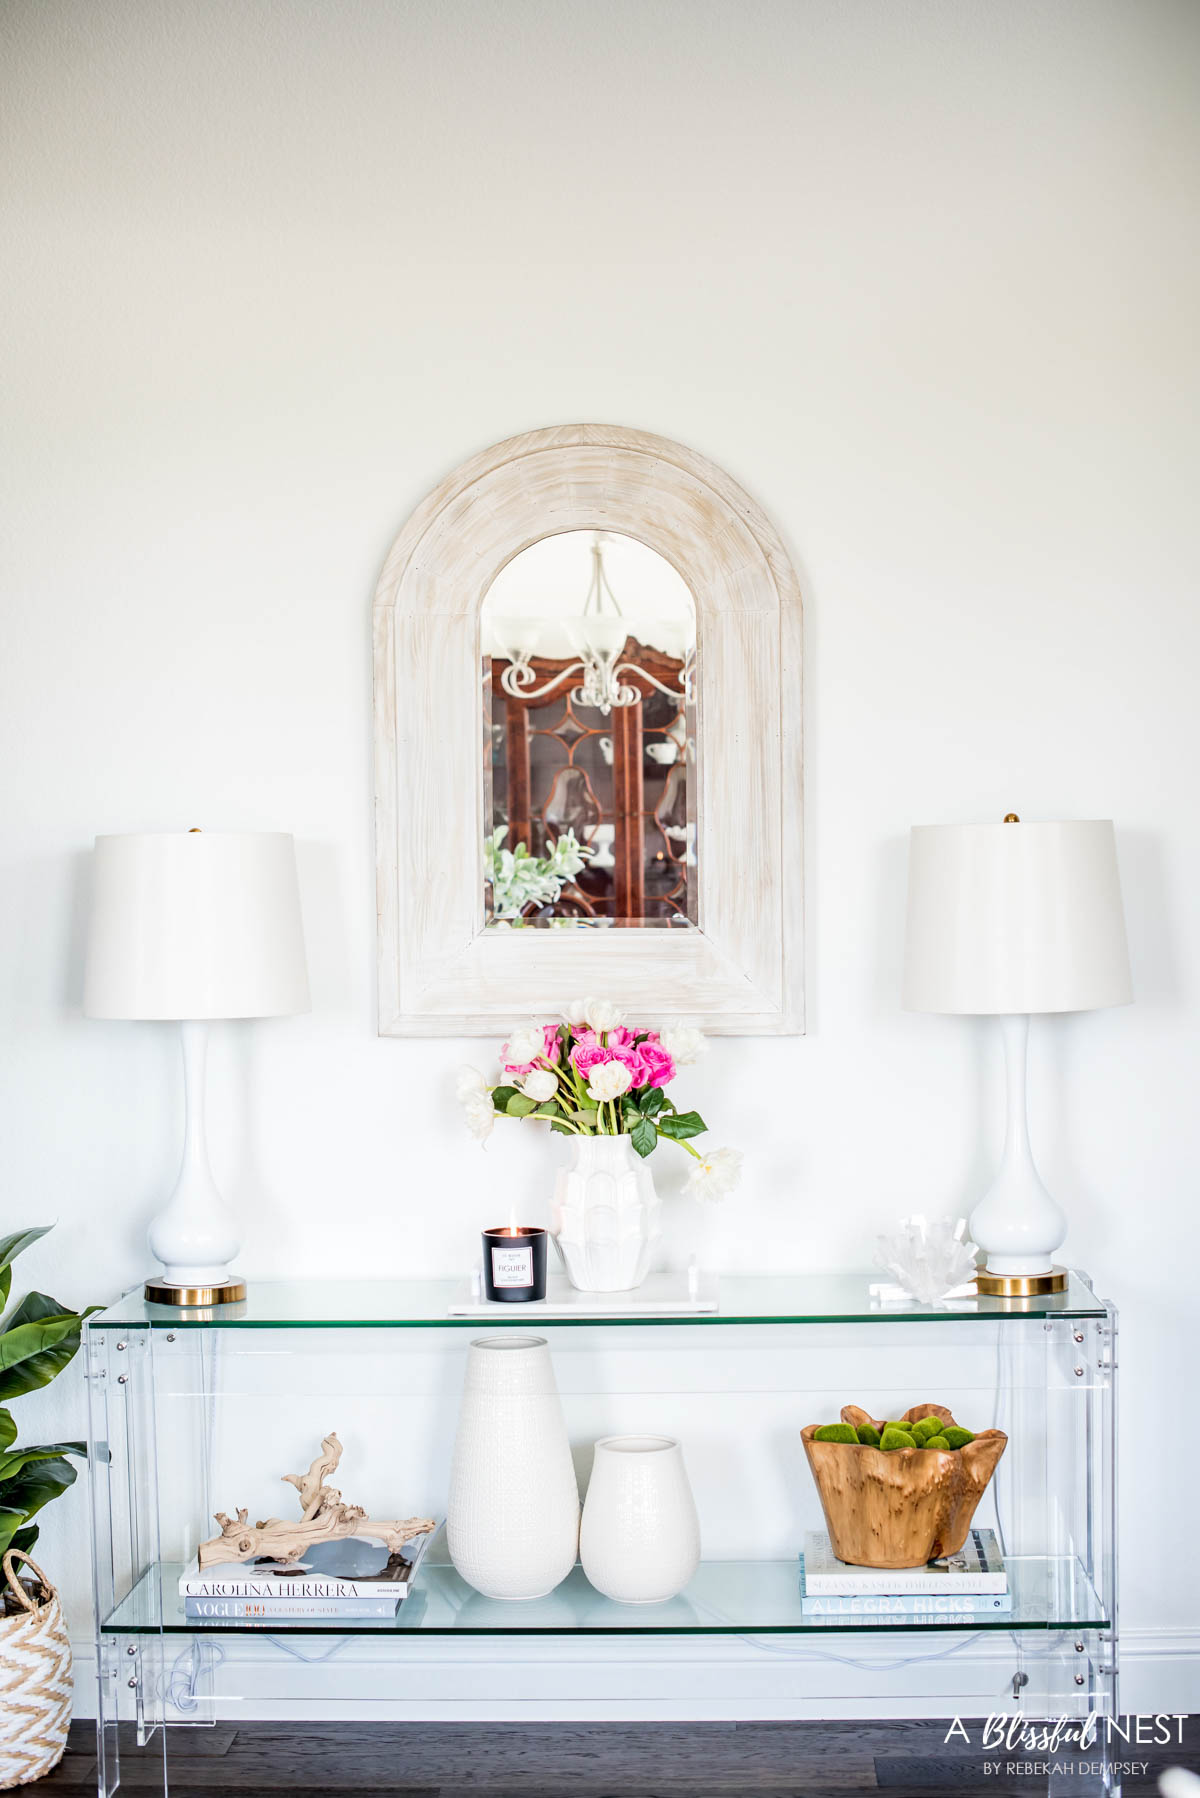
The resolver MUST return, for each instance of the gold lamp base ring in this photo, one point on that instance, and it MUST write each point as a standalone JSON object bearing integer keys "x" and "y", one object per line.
{"x": 1020, "y": 1286}
{"x": 222, "y": 1292}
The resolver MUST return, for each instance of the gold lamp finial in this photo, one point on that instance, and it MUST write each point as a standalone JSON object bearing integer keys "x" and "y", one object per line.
{"x": 1011, "y": 818}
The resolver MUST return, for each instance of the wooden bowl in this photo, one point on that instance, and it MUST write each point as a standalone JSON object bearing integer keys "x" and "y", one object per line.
{"x": 906, "y": 1506}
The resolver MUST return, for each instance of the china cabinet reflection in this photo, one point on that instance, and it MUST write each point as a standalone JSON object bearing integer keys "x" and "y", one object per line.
{"x": 617, "y": 780}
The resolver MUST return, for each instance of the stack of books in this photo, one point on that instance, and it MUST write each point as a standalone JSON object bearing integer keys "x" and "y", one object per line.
{"x": 352, "y": 1578}
{"x": 965, "y": 1588}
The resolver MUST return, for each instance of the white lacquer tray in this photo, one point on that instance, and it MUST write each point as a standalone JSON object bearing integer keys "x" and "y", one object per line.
{"x": 660, "y": 1295}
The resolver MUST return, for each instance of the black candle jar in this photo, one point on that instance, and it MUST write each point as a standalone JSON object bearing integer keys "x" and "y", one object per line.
{"x": 514, "y": 1263}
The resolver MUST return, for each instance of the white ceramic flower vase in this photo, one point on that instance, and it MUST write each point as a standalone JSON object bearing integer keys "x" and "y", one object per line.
{"x": 607, "y": 1215}
{"x": 512, "y": 1520}
{"x": 640, "y": 1540}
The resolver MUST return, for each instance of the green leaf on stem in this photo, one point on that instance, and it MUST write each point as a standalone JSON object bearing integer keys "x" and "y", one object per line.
{"x": 36, "y": 1485}
{"x": 502, "y": 1094}
{"x": 644, "y": 1137}
{"x": 519, "y": 1106}
{"x": 681, "y": 1125}
{"x": 10, "y": 1248}
{"x": 652, "y": 1101}
{"x": 8, "y": 1429}
{"x": 12, "y": 1463}
{"x": 551, "y": 1109}
{"x": 561, "y": 1129}
{"x": 37, "y": 1343}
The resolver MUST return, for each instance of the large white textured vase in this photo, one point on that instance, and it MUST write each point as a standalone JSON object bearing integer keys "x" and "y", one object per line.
{"x": 640, "y": 1540}
{"x": 512, "y": 1523}
{"x": 606, "y": 1215}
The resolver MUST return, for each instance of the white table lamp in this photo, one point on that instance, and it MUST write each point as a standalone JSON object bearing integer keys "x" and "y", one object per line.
{"x": 1010, "y": 919}
{"x": 189, "y": 926}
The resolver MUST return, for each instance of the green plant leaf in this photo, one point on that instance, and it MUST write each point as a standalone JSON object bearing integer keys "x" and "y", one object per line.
{"x": 11, "y": 1464}
{"x": 36, "y": 1485}
{"x": 561, "y": 1129}
{"x": 652, "y": 1101}
{"x": 25, "y": 1539}
{"x": 519, "y": 1106}
{"x": 502, "y": 1094}
{"x": 550, "y": 1109}
{"x": 681, "y": 1124}
{"x": 10, "y": 1248}
{"x": 644, "y": 1137}
{"x": 37, "y": 1342}
{"x": 8, "y": 1429}
{"x": 10, "y": 1522}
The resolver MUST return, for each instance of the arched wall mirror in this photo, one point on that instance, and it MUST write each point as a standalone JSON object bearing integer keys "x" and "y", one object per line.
{"x": 588, "y": 744}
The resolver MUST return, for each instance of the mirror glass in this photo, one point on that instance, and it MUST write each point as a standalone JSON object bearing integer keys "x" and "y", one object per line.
{"x": 589, "y": 667}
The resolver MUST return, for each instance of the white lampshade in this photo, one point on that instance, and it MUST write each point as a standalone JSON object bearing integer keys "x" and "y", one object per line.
{"x": 1014, "y": 918}
{"x": 195, "y": 924}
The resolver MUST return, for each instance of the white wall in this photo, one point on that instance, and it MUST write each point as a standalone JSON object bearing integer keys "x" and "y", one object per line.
{"x": 922, "y": 276}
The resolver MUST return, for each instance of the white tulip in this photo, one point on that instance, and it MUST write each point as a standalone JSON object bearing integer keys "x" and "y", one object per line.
{"x": 540, "y": 1085}
{"x": 480, "y": 1114}
{"x": 609, "y": 1079}
{"x": 524, "y": 1045}
{"x": 602, "y": 1015}
{"x": 716, "y": 1175}
{"x": 468, "y": 1080}
{"x": 576, "y": 1012}
{"x": 683, "y": 1045}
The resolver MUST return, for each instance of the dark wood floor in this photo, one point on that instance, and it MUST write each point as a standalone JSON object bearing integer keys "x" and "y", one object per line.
{"x": 570, "y": 1760}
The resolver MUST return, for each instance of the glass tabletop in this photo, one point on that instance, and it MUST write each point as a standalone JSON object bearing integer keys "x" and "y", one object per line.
{"x": 819, "y": 1298}
{"x": 724, "y": 1598}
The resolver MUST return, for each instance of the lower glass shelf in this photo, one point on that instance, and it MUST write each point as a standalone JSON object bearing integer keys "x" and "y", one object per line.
{"x": 1048, "y": 1592}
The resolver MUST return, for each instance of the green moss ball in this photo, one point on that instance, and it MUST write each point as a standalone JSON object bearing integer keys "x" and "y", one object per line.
{"x": 935, "y": 1442}
{"x": 956, "y": 1437}
{"x": 894, "y": 1437}
{"x": 836, "y": 1432}
{"x": 868, "y": 1435}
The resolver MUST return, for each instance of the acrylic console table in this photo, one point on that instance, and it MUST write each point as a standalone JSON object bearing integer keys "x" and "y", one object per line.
{"x": 194, "y": 1411}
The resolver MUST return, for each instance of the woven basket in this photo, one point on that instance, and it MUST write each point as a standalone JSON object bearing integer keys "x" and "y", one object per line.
{"x": 35, "y": 1681}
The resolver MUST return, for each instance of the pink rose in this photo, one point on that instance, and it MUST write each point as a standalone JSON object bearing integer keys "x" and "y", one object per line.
{"x": 620, "y": 1038}
{"x": 589, "y": 1055}
{"x": 586, "y": 1056}
{"x": 657, "y": 1066}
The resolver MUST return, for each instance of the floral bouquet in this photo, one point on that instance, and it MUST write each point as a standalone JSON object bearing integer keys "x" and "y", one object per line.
{"x": 593, "y": 1075}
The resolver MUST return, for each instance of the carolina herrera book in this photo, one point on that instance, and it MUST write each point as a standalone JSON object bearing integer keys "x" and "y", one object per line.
{"x": 352, "y": 1568}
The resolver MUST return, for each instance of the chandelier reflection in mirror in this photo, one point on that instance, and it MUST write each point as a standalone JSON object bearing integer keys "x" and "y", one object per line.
{"x": 589, "y": 668}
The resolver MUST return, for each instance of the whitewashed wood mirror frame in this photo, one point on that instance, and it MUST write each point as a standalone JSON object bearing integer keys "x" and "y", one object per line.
{"x": 739, "y": 970}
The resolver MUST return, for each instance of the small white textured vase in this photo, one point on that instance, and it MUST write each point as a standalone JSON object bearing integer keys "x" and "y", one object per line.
{"x": 512, "y": 1521}
{"x": 640, "y": 1539}
{"x": 606, "y": 1215}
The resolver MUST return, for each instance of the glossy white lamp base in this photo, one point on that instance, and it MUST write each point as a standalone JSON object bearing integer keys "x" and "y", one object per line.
{"x": 1017, "y": 1224}
{"x": 194, "y": 1237}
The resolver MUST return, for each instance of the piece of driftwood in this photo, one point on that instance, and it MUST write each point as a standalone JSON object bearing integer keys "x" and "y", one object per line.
{"x": 326, "y": 1518}
{"x": 905, "y": 1506}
